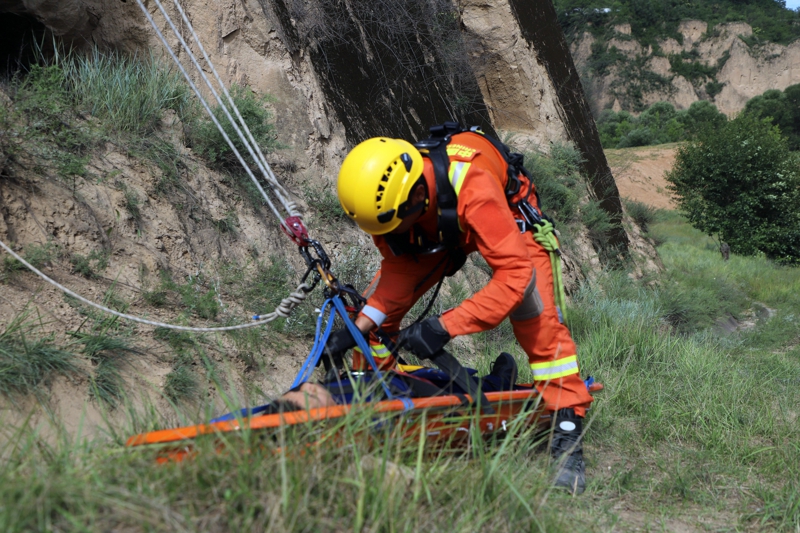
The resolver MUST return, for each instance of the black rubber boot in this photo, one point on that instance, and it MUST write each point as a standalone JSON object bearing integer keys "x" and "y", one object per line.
{"x": 504, "y": 369}
{"x": 567, "y": 451}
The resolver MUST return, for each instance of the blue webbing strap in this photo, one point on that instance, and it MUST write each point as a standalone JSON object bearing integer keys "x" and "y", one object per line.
{"x": 334, "y": 306}
{"x": 319, "y": 346}
{"x": 362, "y": 344}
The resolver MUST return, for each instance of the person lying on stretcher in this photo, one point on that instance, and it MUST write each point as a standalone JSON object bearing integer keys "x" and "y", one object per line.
{"x": 408, "y": 382}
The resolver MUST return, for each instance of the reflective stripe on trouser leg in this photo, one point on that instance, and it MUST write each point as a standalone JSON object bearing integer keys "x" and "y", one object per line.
{"x": 548, "y": 343}
{"x": 555, "y": 369}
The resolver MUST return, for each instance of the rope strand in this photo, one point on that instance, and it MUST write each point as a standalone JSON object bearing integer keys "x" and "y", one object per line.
{"x": 283, "y": 310}
{"x": 203, "y": 100}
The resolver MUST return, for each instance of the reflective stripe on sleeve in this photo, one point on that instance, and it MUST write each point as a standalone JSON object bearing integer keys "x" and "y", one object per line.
{"x": 373, "y": 314}
{"x": 378, "y": 350}
{"x": 555, "y": 369}
{"x": 458, "y": 170}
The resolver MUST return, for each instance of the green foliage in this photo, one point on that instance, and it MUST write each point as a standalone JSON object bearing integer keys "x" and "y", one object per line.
{"x": 597, "y": 221}
{"x": 43, "y": 123}
{"x": 89, "y": 266}
{"x": 641, "y": 213}
{"x": 197, "y": 299}
{"x": 740, "y": 182}
{"x": 209, "y": 142}
{"x": 107, "y": 352}
{"x": 259, "y": 288}
{"x": 694, "y": 71}
{"x": 46, "y": 121}
{"x": 133, "y": 203}
{"x": 229, "y": 224}
{"x": 126, "y": 92}
{"x": 29, "y": 358}
{"x": 181, "y": 384}
{"x": 324, "y": 203}
{"x": 194, "y": 295}
{"x": 713, "y": 88}
{"x": 604, "y": 57}
{"x": 653, "y": 20}
{"x": 38, "y": 255}
{"x": 658, "y": 124}
{"x": 782, "y": 108}
{"x": 558, "y": 181}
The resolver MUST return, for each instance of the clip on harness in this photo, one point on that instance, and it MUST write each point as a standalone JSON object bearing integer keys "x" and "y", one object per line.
{"x": 531, "y": 218}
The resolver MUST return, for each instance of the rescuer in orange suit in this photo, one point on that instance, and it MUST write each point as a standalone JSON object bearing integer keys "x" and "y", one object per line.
{"x": 389, "y": 188}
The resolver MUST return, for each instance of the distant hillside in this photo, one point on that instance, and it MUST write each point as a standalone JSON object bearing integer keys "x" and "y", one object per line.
{"x": 632, "y": 53}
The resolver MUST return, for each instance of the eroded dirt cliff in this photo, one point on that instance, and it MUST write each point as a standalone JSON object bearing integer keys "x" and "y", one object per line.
{"x": 742, "y": 66}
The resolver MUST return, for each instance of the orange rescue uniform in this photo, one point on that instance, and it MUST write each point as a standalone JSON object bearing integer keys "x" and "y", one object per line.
{"x": 521, "y": 287}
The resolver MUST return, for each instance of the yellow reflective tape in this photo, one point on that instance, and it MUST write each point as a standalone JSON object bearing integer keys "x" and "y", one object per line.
{"x": 458, "y": 170}
{"x": 553, "y": 364}
{"x": 380, "y": 350}
{"x": 556, "y": 375}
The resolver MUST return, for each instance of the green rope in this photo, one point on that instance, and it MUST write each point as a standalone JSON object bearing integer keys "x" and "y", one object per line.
{"x": 545, "y": 235}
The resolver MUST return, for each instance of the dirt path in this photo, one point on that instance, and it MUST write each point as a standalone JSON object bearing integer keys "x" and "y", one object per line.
{"x": 639, "y": 173}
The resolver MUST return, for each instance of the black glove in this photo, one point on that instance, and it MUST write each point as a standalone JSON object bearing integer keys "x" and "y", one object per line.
{"x": 340, "y": 341}
{"x": 425, "y": 338}
{"x": 335, "y": 349}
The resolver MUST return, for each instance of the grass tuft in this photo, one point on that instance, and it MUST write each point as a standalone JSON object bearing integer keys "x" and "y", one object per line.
{"x": 29, "y": 358}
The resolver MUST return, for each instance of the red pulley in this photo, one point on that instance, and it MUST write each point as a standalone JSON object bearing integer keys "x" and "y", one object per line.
{"x": 294, "y": 228}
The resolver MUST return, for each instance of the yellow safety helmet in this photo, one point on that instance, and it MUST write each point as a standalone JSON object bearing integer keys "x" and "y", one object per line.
{"x": 375, "y": 180}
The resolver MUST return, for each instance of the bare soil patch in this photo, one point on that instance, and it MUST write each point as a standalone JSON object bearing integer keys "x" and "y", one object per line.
{"x": 639, "y": 173}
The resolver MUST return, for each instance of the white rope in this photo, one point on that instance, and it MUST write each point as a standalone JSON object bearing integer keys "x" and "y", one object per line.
{"x": 279, "y": 190}
{"x": 205, "y": 103}
{"x": 295, "y": 298}
{"x": 283, "y": 310}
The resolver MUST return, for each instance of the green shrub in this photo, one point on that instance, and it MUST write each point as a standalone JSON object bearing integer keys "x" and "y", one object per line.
{"x": 209, "y": 142}
{"x": 638, "y": 137}
{"x": 783, "y": 110}
{"x": 740, "y": 182}
{"x": 324, "y": 203}
{"x": 641, "y": 213}
{"x": 89, "y": 266}
{"x": 713, "y": 88}
{"x": 197, "y": 300}
{"x": 558, "y": 181}
{"x": 597, "y": 222}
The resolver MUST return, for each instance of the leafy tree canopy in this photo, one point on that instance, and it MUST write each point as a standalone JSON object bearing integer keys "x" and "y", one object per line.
{"x": 660, "y": 123}
{"x": 741, "y": 182}
{"x": 783, "y": 109}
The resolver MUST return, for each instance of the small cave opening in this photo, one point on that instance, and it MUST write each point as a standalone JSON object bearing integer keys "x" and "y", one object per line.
{"x": 22, "y": 38}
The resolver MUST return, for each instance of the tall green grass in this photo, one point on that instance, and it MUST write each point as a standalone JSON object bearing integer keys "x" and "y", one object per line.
{"x": 30, "y": 358}
{"x": 695, "y": 421}
{"x": 126, "y": 92}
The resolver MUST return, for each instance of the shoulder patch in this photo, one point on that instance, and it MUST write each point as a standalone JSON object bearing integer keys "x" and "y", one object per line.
{"x": 461, "y": 152}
